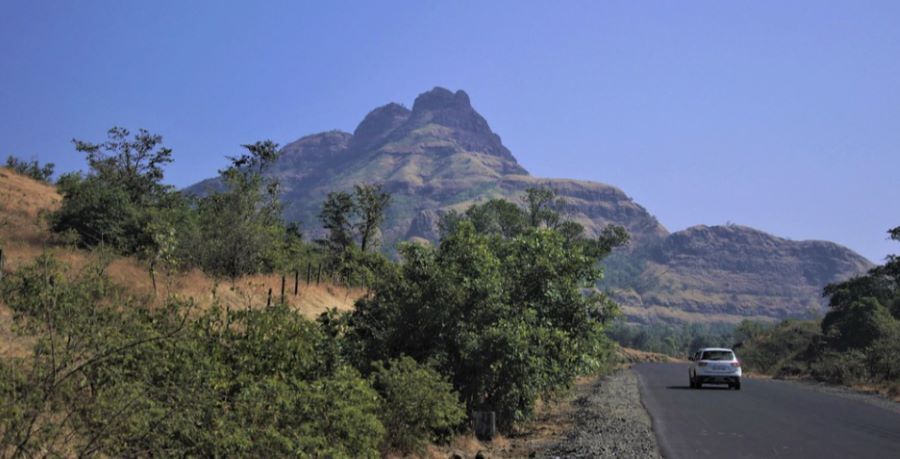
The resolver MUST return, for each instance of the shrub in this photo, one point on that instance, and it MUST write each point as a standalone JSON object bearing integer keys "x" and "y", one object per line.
{"x": 111, "y": 376}
{"x": 847, "y": 367}
{"x": 505, "y": 320}
{"x": 883, "y": 357}
{"x": 100, "y": 213}
{"x": 121, "y": 201}
{"x": 31, "y": 169}
{"x": 418, "y": 405}
{"x": 857, "y": 324}
{"x": 778, "y": 347}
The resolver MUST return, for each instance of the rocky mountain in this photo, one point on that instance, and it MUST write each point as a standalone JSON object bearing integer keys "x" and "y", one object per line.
{"x": 443, "y": 155}
{"x": 438, "y": 156}
{"x": 726, "y": 273}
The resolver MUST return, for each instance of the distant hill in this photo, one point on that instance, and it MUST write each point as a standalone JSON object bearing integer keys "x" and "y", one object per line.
{"x": 443, "y": 155}
{"x": 729, "y": 272}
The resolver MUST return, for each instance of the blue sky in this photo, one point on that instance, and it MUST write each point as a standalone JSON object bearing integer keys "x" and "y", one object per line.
{"x": 784, "y": 116}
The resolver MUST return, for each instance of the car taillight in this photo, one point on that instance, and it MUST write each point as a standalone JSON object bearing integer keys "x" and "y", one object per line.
{"x": 736, "y": 363}
{"x": 702, "y": 364}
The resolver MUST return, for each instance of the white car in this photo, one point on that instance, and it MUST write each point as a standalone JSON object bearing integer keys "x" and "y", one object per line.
{"x": 715, "y": 365}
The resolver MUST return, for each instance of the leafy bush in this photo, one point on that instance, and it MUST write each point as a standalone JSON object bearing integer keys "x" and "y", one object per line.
{"x": 31, "y": 169}
{"x": 857, "y": 325}
{"x": 771, "y": 350}
{"x": 883, "y": 357}
{"x": 113, "y": 203}
{"x": 99, "y": 213}
{"x": 112, "y": 376}
{"x": 847, "y": 367}
{"x": 419, "y": 405}
{"x": 505, "y": 319}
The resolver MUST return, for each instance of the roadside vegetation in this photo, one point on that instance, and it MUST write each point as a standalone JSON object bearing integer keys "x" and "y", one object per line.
{"x": 498, "y": 315}
{"x": 677, "y": 340}
{"x": 857, "y": 343}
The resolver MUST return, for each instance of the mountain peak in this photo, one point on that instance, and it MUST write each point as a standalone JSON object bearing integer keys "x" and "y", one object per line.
{"x": 442, "y": 99}
{"x": 441, "y": 156}
{"x": 378, "y": 124}
{"x": 454, "y": 110}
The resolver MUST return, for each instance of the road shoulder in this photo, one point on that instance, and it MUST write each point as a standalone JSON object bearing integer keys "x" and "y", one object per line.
{"x": 610, "y": 421}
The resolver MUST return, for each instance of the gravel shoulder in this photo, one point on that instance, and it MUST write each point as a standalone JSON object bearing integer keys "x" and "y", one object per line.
{"x": 610, "y": 421}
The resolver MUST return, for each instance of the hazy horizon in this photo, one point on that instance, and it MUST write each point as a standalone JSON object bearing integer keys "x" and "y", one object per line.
{"x": 780, "y": 117}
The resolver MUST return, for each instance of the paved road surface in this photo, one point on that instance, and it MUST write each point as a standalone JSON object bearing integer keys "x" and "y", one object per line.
{"x": 764, "y": 419}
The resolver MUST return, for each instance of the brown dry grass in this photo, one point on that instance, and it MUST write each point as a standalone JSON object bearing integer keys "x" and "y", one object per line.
{"x": 24, "y": 235}
{"x": 630, "y": 356}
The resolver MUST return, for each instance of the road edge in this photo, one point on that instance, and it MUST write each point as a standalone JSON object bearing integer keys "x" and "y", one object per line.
{"x": 610, "y": 422}
{"x": 662, "y": 445}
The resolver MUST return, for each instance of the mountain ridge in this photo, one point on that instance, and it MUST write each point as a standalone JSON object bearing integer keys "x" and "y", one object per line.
{"x": 442, "y": 155}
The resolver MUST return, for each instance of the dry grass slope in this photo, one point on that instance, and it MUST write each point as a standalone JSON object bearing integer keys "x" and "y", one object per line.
{"x": 24, "y": 235}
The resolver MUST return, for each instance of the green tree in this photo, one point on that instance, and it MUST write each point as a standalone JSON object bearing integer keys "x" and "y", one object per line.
{"x": 335, "y": 216}
{"x": 857, "y": 325}
{"x": 241, "y": 230}
{"x": 498, "y": 217}
{"x": 370, "y": 203}
{"x": 135, "y": 164}
{"x": 99, "y": 213}
{"x": 504, "y": 319}
{"x": 544, "y": 206}
{"x": 121, "y": 193}
{"x": 610, "y": 237}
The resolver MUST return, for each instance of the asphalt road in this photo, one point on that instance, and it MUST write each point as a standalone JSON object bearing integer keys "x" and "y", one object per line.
{"x": 764, "y": 419}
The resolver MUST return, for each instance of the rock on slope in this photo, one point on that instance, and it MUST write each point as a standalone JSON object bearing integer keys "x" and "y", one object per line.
{"x": 443, "y": 155}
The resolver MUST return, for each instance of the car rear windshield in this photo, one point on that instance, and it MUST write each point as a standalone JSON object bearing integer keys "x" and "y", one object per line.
{"x": 717, "y": 355}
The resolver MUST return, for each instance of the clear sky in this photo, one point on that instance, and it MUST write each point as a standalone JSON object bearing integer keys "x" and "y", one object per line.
{"x": 784, "y": 116}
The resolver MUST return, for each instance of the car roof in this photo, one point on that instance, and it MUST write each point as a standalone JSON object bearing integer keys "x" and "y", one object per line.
{"x": 714, "y": 349}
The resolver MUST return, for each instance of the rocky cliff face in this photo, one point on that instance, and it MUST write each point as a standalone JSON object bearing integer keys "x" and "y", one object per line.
{"x": 443, "y": 155}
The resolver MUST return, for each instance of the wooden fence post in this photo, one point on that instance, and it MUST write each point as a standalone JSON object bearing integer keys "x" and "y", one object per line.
{"x": 296, "y": 281}
{"x": 282, "y": 289}
{"x": 269, "y": 301}
{"x": 319, "y": 275}
{"x": 308, "y": 272}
